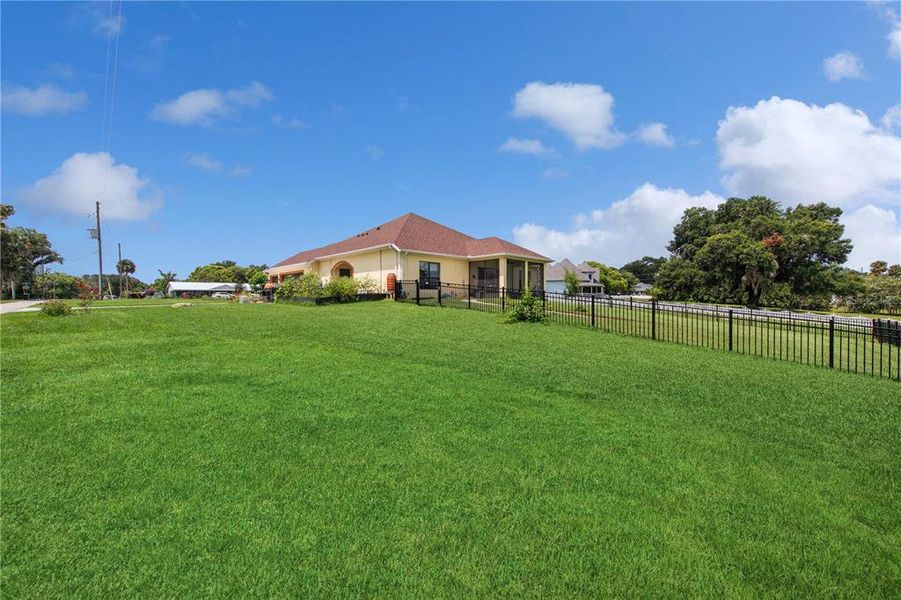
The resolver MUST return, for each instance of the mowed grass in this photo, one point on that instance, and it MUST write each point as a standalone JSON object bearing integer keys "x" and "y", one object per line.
{"x": 855, "y": 348}
{"x": 394, "y": 450}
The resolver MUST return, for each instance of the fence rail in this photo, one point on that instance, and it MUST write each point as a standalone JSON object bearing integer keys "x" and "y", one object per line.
{"x": 853, "y": 344}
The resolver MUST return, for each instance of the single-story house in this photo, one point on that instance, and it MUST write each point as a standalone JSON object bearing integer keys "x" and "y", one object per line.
{"x": 642, "y": 288}
{"x": 589, "y": 277}
{"x": 412, "y": 247}
{"x": 202, "y": 288}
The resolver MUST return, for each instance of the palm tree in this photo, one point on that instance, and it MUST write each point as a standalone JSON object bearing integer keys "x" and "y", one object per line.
{"x": 124, "y": 267}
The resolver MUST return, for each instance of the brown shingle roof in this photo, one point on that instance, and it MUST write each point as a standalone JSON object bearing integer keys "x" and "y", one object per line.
{"x": 414, "y": 233}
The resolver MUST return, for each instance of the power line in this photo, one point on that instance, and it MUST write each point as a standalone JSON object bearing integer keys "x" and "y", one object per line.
{"x": 109, "y": 44}
{"x": 88, "y": 255}
{"x": 115, "y": 73}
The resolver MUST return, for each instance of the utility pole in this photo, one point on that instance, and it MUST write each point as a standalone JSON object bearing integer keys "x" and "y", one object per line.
{"x": 99, "y": 257}
{"x": 118, "y": 269}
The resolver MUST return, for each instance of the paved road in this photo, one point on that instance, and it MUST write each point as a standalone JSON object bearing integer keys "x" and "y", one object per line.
{"x": 11, "y": 307}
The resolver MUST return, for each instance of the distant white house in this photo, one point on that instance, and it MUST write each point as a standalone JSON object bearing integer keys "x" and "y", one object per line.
{"x": 589, "y": 277}
{"x": 643, "y": 288}
{"x": 202, "y": 288}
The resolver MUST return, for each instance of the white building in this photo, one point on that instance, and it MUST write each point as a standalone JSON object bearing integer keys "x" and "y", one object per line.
{"x": 202, "y": 288}
{"x": 589, "y": 277}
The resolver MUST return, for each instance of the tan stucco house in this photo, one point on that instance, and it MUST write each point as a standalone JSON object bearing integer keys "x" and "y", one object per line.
{"x": 415, "y": 248}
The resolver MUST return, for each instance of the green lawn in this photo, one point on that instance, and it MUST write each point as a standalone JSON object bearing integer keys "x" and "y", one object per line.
{"x": 394, "y": 450}
{"x": 142, "y": 301}
{"x": 789, "y": 338}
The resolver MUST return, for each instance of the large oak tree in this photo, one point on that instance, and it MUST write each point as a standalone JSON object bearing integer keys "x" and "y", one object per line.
{"x": 737, "y": 251}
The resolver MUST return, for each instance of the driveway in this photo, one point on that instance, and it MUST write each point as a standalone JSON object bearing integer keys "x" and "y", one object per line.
{"x": 11, "y": 307}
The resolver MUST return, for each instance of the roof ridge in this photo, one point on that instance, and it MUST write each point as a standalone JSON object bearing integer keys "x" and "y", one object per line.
{"x": 418, "y": 216}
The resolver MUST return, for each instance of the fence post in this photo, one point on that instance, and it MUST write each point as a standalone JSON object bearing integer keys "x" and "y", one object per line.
{"x": 831, "y": 342}
{"x": 592, "y": 311}
{"x": 653, "y": 319}
{"x": 417, "y": 292}
{"x": 439, "y": 293}
{"x": 503, "y": 299}
{"x": 730, "y": 330}
{"x": 468, "y": 295}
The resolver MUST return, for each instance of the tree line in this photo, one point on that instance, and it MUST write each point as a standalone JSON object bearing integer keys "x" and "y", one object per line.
{"x": 26, "y": 255}
{"x": 754, "y": 252}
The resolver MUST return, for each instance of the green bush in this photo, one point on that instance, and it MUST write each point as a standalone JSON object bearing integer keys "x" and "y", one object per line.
{"x": 287, "y": 289}
{"x": 343, "y": 288}
{"x": 529, "y": 309}
{"x": 56, "y": 308}
{"x": 310, "y": 285}
{"x": 882, "y": 294}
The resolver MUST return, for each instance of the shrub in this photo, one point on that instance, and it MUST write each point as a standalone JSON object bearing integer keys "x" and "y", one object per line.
{"x": 56, "y": 308}
{"x": 343, "y": 288}
{"x": 528, "y": 309}
{"x": 780, "y": 295}
{"x": 310, "y": 285}
{"x": 288, "y": 288}
{"x": 86, "y": 294}
{"x": 367, "y": 285}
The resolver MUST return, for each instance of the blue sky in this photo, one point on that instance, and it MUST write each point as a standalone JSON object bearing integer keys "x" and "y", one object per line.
{"x": 250, "y": 131}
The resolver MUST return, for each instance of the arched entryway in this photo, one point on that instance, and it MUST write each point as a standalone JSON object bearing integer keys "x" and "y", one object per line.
{"x": 343, "y": 269}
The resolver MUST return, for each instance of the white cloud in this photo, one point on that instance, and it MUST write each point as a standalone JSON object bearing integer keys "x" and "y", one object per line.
{"x": 876, "y": 234}
{"x": 289, "y": 123}
{"x": 60, "y": 70}
{"x": 554, "y": 173}
{"x": 85, "y": 178}
{"x": 844, "y": 65}
{"x": 655, "y": 134}
{"x": 639, "y": 225}
{"x": 515, "y": 145}
{"x": 894, "y": 42}
{"x": 584, "y": 112}
{"x": 45, "y": 99}
{"x": 153, "y": 55}
{"x": 888, "y": 13}
{"x": 103, "y": 19}
{"x": 241, "y": 171}
{"x": 253, "y": 95}
{"x": 796, "y": 152}
{"x": 891, "y": 120}
{"x": 206, "y": 106}
{"x": 204, "y": 162}
{"x": 375, "y": 152}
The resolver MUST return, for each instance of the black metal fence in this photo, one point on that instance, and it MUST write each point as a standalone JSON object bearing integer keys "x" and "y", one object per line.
{"x": 853, "y": 344}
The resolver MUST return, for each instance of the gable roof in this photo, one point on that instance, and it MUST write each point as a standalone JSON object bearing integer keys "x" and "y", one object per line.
{"x": 414, "y": 233}
{"x": 557, "y": 271}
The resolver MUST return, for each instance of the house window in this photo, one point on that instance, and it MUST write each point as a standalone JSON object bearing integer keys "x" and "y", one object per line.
{"x": 344, "y": 272}
{"x": 429, "y": 274}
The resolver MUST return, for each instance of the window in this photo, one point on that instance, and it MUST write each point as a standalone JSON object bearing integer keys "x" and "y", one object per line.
{"x": 344, "y": 272}
{"x": 429, "y": 274}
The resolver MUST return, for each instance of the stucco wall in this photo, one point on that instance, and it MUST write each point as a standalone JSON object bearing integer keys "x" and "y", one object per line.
{"x": 375, "y": 264}
{"x": 453, "y": 270}
{"x": 379, "y": 263}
